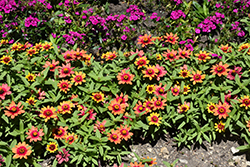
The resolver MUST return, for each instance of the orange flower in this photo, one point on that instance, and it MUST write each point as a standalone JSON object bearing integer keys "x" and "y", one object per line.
{"x": 171, "y": 38}
{"x": 114, "y": 136}
{"x": 225, "y": 48}
{"x": 14, "y": 110}
{"x": 124, "y": 132}
{"x": 222, "y": 110}
{"x": 70, "y": 138}
{"x": 152, "y": 162}
{"x": 150, "y": 72}
{"x": 22, "y": 150}
{"x": 145, "y": 40}
{"x": 184, "y": 53}
{"x": 171, "y": 56}
{"x": 248, "y": 125}
{"x": 109, "y": 55}
{"x": 34, "y": 134}
{"x": 197, "y": 77}
{"x": 141, "y": 61}
{"x": 158, "y": 103}
{"x": 148, "y": 104}
{"x": 244, "y": 47}
{"x": 136, "y": 164}
{"x": 220, "y": 69}
{"x": 47, "y": 113}
{"x": 116, "y": 107}
{"x": 125, "y": 78}
{"x": 59, "y": 133}
{"x": 203, "y": 56}
{"x": 64, "y": 85}
{"x": 139, "y": 108}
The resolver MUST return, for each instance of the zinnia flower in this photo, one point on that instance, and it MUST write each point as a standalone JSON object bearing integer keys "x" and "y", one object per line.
{"x": 65, "y": 107}
{"x": 186, "y": 89}
{"x": 225, "y": 48}
{"x": 59, "y": 133}
{"x": 31, "y": 52}
{"x": 222, "y": 110}
{"x": 171, "y": 38}
{"x": 183, "y": 108}
{"x": 116, "y": 107}
{"x": 30, "y": 77}
{"x": 62, "y": 156}
{"x": 150, "y": 89}
{"x": 203, "y": 56}
{"x": 232, "y": 73}
{"x": 161, "y": 71}
{"x": 175, "y": 90}
{"x": 184, "y": 73}
{"x": 184, "y": 53}
{"x": 160, "y": 91}
{"x": 46, "y": 46}
{"x": 139, "y": 108}
{"x": 47, "y": 113}
{"x": 145, "y": 40}
{"x": 52, "y": 66}
{"x": 150, "y": 72}
{"x": 13, "y": 110}
{"x": 68, "y": 56}
{"x": 66, "y": 70}
{"x": 64, "y": 85}
{"x": 31, "y": 101}
{"x": 220, "y": 69}
{"x": 22, "y": 150}
{"x": 4, "y": 90}
{"x": 125, "y": 78}
{"x": 245, "y": 102}
{"x": 114, "y": 136}
{"x": 70, "y": 138}
{"x": 52, "y": 147}
{"x": 141, "y": 61}
{"x": 124, "y": 132}
{"x": 78, "y": 78}
{"x": 152, "y": 162}
{"x": 34, "y": 134}
{"x": 98, "y": 97}
{"x": 211, "y": 107}
{"x": 154, "y": 119}
{"x": 158, "y": 103}
{"x": 6, "y": 59}
{"x": 197, "y": 77}
{"x": 220, "y": 127}
{"x": 100, "y": 126}
{"x": 171, "y": 56}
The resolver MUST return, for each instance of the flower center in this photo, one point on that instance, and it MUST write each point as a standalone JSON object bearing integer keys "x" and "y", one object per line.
{"x": 1, "y": 91}
{"x": 30, "y": 77}
{"x": 59, "y": 132}
{"x": 185, "y": 89}
{"x": 114, "y": 136}
{"x": 48, "y": 113}
{"x": 233, "y": 72}
{"x": 150, "y": 71}
{"x": 197, "y": 77}
{"x": 101, "y": 126}
{"x": 219, "y": 69}
{"x": 125, "y": 77}
{"x": 68, "y": 56}
{"x": 78, "y": 78}
{"x": 222, "y": 110}
{"x": 154, "y": 118}
{"x": 184, "y": 74}
{"x": 246, "y": 102}
{"x": 65, "y": 70}
{"x": 65, "y": 107}
{"x": 183, "y": 53}
{"x": 141, "y": 108}
{"x": 22, "y": 150}
{"x": 175, "y": 90}
{"x": 158, "y": 103}
{"x": 124, "y": 132}
{"x": 171, "y": 38}
{"x": 184, "y": 108}
{"x": 64, "y": 85}
{"x": 211, "y": 107}
{"x": 145, "y": 39}
{"x": 171, "y": 55}
{"x": 98, "y": 97}
{"x": 14, "y": 109}
{"x": 202, "y": 56}
{"x": 51, "y": 66}
{"x": 70, "y": 139}
{"x": 52, "y": 147}
{"x": 224, "y": 49}
{"x": 161, "y": 90}
{"x": 34, "y": 134}
{"x": 117, "y": 107}
{"x": 141, "y": 62}
{"x": 220, "y": 126}
{"x": 6, "y": 59}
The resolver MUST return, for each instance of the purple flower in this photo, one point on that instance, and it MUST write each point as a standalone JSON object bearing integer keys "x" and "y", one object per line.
{"x": 177, "y": 14}
{"x": 216, "y": 40}
{"x": 124, "y": 37}
{"x": 241, "y": 34}
{"x": 197, "y": 31}
{"x": 63, "y": 156}
{"x": 53, "y": 35}
{"x": 31, "y": 21}
{"x": 190, "y": 47}
{"x": 217, "y": 5}
{"x": 235, "y": 10}
{"x": 182, "y": 42}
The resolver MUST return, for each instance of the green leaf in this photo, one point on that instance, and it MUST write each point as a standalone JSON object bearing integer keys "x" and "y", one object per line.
{"x": 8, "y": 160}
{"x": 243, "y": 148}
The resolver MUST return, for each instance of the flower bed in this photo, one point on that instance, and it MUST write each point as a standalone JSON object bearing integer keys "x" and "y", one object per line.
{"x": 79, "y": 83}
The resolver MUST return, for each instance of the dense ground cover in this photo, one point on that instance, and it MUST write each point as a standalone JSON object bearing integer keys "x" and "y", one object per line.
{"x": 81, "y": 83}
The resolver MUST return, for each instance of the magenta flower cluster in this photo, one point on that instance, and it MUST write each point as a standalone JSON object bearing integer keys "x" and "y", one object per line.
{"x": 176, "y": 14}
{"x": 8, "y": 5}
{"x": 178, "y": 2}
{"x": 210, "y": 22}
{"x": 72, "y": 37}
{"x": 31, "y": 21}
{"x": 237, "y": 29}
{"x": 154, "y": 16}
{"x": 135, "y": 13}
